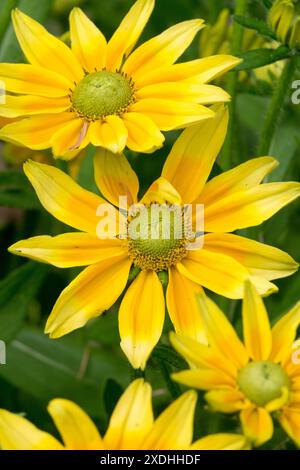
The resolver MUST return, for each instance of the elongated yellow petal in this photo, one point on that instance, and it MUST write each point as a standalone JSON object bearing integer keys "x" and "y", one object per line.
{"x": 162, "y": 50}
{"x": 161, "y": 192}
{"x": 132, "y": 418}
{"x": 44, "y": 49}
{"x": 284, "y": 334}
{"x": 183, "y": 307}
{"x": 260, "y": 259}
{"x": 64, "y": 198}
{"x": 111, "y": 134}
{"x": 34, "y": 80}
{"x": 290, "y": 421}
{"x": 77, "y": 430}
{"x": 141, "y": 318}
{"x": 249, "y": 208}
{"x": 17, "y": 433}
{"x": 204, "y": 379}
{"x": 88, "y": 43}
{"x": 257, "y": 425}
{"x": 128, "y": 33}
{"x": 92, "y": 292}
{"x": 16, "y": 106}
{"x": 225, "y": 400}
{"x": 173, "y": 429}
{"x": 115, "y": 177}
{"x": 222, "y": 442}
{"x": 72, "y": 136}
{"x": 168, "y": 114}
{"x": 68, "y": 250}
{"x": 143, "y": 133}
{"x": 194, "y": 153}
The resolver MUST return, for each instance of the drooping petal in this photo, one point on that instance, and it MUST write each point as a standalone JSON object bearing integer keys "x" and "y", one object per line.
{"x": 111, "y": 134}
{"x": 92, "y": 292}
{"x": 222, "y": 442}
{"x": 143, "y": 134}
{"x": 194, "y": 154}
{"x": 173, "y": 429}
{"x": 68, "y": 250}
{"x": 88, "y": 43}
{"x": 132, "y": 418}
{"x": 34, "y": 80}
{"x": 141, "y": 318}
{"x": 17, "y": 433}
{"x": 76, "y": 428}
{"x": 290, "y": 421}
{"x": 260, "y": 259}
{"x": 204, "y": 379}
{"x": 256, "y": 325}
{"x": 161, "y": 192}
{"x": 284, "y": 334}
{"x": 225, "y": 400}
{"x": 16, "y": 106}
{"x": 64, "y": 198}
{"x": 43, "y": 49}
{"x": 128, "y": 33}
{"x": 257, "y": 425}
{"x": 72, "y": 136}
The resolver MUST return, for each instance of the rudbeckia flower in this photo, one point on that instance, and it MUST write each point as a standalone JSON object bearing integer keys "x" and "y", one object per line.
{"x": 131, "y": 426}
{"x": 258, "y": 378}
{"x": 105, "y": 93}
{"x": 233, "y": 200}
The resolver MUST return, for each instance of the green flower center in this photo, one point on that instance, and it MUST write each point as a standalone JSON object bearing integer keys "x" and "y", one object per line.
{"x": 156, "y": 238}
{"x": 262, "y": 381}
{"x": 101, "y": 94}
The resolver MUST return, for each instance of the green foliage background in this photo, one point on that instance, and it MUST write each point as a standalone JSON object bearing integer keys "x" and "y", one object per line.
{"x": 87, "y": 366}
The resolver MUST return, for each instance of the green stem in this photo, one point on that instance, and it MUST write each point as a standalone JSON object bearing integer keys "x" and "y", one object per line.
{"x": 232, "y": 85}
{"x": 273, "y": 112}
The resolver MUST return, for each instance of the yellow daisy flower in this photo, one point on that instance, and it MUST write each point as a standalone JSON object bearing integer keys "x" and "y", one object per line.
{"x": 284, "y": 18}
{"x": 233, "y": 200}
{"x": 131, "y": 427}
{"x": 258, "y": 378}
{"x": 101, "y": 92}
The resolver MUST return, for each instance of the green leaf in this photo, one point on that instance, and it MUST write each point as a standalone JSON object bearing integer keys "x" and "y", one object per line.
{"x": 268, "y": 3}
{"x": 260, "y": 57}
{"x": 5, "y": 9}
{"x": 17, "y": 291}
{"x": 15, "y": 191}
{"x": 253, "y": 23}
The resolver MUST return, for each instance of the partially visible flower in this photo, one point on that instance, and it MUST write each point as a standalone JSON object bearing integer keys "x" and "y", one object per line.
{"x": 233, "y": 200}
{"x": 101, "y": 92}
{"x": 257, "y": 378}
{"x": 284, "y": 18}
{"x": 131, "y": 426}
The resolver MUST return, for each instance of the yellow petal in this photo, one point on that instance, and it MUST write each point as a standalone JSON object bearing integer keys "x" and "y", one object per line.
{"x": 115, "y": 177}
{"x": 168, "y": 114}
{"x": 183, "y": 307}
{"x": 256, "y": 325}
{"x": 222, "y": 442}
{"x": 284, "y": 334}
{"x": 60, "y": 195}
{"x": 68, "y": 250}
{"x": 34, "y": 80}
{"x": 290, "y": 421}
{"x": 250, "y": 207}
{"x": 92, "y": 292}
{"x": 161, "y": 192}
{"x": 44, "y": 49}
{"x": 143, "y": 134}
{"x": 204, "y": 379}
{"x": 173, "y": 429}
{"x": 77, "y": 430}
{"x": 16, "y": 106}
{"x": 17, "y": 433}
{"x": 257, "y": 425}
{"x": 111, "y": 134}
{"x": 260, "y": 259}
{"x": 132, "y": 418}
{"x": 225, "y": 400}
{"x": 128, "y": 33}
{"x": 141, "y": 318}
{"x": 162, "y": 50}
{"x": 194, "y": 154}
{"x": 71, "y": 136}
{"x": 217, "y": 272}
{"x": 88, "y": 43}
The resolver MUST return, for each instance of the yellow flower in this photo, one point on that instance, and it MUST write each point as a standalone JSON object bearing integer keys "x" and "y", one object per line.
{"x": 256, "y": 378}
{"x": 284, "y": 18}
{"x": 131, "y": 426}
{"x": 103, "y": 93}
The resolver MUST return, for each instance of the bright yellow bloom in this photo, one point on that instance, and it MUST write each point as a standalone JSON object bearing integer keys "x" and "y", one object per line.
{"x": 256, "y": 378}
{"x": 284, "y": 18}
{"x": 131, "y": 426}
{"x": 101, "y": 92}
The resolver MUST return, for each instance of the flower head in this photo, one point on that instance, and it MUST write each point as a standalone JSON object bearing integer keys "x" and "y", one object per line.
{"x": 131, "y": 426}
{"x": 257, "y": 378}
{"x": 233, "y": 200}
{"x": 284, "y": 18}
{"x": 105, "y": 93}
